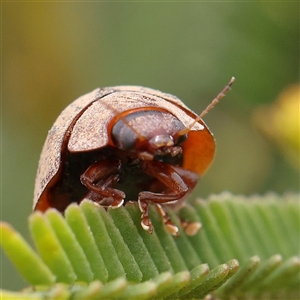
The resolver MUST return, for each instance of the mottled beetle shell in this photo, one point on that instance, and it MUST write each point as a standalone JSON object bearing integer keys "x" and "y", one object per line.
{"x": 83, "y": 126}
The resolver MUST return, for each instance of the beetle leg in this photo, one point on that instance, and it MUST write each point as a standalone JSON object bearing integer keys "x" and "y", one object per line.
{"x": 106, "y": 201}
{"x": 98, "y": 178}
{"x": 165, "y": 174}
{"x": 190, "y": 228}
{"x": 190, "y": 178}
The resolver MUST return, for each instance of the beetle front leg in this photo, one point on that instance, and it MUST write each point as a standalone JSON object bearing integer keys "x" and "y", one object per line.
{"x": 190, "y": 179}
{"x": 165, "y": 174}
{"x": 99, "y": 178}
{"x": 176, "y": 189}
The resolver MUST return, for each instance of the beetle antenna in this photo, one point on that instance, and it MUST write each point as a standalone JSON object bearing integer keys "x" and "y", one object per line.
{"x": 209, "y": 107}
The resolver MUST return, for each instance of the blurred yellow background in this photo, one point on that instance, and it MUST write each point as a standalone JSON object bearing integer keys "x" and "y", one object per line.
{"x": 53, "y": 52}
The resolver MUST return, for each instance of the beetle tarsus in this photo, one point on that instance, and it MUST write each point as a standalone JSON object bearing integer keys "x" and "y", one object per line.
{"x": 191, "y": 228}
{"x": 170, "y": 226}
{"x": 117, "y": 203}
{"x": 146, "y": 222}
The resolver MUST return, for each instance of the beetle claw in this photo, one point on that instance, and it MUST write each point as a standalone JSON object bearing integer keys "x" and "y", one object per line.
{"x": 117, "y": 203}
{"x": 146, "y": 224}
{"x": 191, "y": 228}
{"x": 172, "y": 229}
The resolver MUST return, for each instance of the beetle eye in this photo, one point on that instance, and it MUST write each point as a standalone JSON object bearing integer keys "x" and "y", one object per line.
{"x": 123, "y": 136}
{"x": 181, "y": 139}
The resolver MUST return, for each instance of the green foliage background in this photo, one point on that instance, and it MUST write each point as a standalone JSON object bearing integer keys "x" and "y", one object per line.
{"x": 53, "y": 52}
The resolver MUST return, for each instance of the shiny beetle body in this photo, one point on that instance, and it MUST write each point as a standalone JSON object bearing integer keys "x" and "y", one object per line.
{"x": 120, "y": 144}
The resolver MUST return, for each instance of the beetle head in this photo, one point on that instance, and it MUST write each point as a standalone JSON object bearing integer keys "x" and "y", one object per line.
{"x": 148, "y": 132}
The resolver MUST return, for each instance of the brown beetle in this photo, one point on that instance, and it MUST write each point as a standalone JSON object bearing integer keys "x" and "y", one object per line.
{"x": 124, "y": 141}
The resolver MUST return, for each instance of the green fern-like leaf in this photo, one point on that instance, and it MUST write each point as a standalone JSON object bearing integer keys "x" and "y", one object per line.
{"x": 247, "y": 248}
